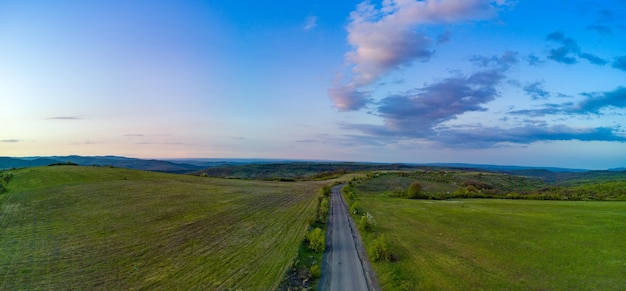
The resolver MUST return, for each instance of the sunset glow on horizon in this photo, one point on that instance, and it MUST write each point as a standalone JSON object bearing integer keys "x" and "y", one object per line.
{"x": 533, "y": 83}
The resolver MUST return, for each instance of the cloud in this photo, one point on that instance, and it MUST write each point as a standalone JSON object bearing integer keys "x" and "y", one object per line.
{"x": 504, "y": 61}
{"x": 591, "y": 105}
{"x": 163, "y": 143}
{"x": 603, "y": 22}
{"x": 480, "y": 137}
{"x": 421, "y": 113}
{"x": 444, "y": 37}
{"x": 65, "y": 118}
{"x": 386, "y": 39}
{"x": 535, "y": 90}
{"x": 549, "y": 109}
{"x": 310, "y": 23}
{"x": 568, "y": 50}
{"x": 348, "y": 97}
{"x": 307, "y": 141}
{"x": 620, "y": 63}
{"x": 383, "y": 46}
{"x": 601, "y": 29}
{"x": 10, "y": 140}
{"x": 416, "y": 113}
{"x": 482, "y": 61}
{"x": 597, "y": 101}
{"x": 534, "y": 60}
{"x": 593, "y": 59}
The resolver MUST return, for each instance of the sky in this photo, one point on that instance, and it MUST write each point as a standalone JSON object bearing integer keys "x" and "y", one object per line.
{"x": 533, "y": 83}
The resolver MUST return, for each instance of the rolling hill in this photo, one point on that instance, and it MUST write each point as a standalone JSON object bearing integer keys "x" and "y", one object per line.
{"x": 69, "y": 227}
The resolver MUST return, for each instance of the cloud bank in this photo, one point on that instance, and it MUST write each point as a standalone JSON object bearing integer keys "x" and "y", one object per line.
{"x": 392, "y": 36}
{"x": 419, "y": 113}
{"x": 592, "y": 104}
{"x": 480, "y": 137}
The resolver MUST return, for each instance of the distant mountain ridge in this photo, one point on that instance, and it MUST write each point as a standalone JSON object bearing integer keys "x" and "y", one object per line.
{"x": 187, "y": 165}
{"x": 505, "y": 168}
{"x": 102, "y": 161}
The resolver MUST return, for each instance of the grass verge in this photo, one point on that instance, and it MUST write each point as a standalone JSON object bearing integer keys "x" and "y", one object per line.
{"x": 305, "y": 272}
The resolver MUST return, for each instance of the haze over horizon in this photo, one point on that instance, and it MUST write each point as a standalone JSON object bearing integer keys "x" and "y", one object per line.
{"x": 529, "y": 83}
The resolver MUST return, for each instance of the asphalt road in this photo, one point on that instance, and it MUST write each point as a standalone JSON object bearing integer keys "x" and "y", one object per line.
{"x": 344, "y": 269}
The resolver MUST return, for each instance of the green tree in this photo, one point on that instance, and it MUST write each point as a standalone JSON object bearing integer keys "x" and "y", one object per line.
{"x": 367, "y": 223}
{"x": 414, "y": 191}
{"x": 355, "y": 208}
{"x": 322, "y": 210}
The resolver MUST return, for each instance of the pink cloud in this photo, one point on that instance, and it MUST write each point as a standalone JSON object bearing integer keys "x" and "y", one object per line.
{"x": 385, "y": 39}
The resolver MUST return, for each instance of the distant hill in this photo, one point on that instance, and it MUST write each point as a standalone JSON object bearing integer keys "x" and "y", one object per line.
{"x": 102, "y": 161}
{"x": 297, "y": 170}
{"x": 500, "y": 168}
{"x": 283, "y": 168}
{"x": 572, "y": 178}
{"x": 8, "y": 163}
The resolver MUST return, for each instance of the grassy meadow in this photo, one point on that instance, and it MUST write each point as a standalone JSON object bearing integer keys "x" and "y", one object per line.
{"x": 68, "y": 227}
{"x": 496, "y": 243}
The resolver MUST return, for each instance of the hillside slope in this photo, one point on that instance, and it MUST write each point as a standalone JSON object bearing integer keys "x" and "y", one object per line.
{"x": 68, "y": 227}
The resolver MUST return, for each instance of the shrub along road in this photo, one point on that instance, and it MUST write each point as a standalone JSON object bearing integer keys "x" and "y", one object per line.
{"x": 346, "y": 266}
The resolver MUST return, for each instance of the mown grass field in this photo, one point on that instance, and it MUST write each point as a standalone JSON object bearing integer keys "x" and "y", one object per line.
{"x": 499, "y": 244}
{"x": 68, "y": 227}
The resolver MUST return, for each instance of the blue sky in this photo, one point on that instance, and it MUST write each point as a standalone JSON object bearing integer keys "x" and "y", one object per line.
{"x": 538, "y": 83}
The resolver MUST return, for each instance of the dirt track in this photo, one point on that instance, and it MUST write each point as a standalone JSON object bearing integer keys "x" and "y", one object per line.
{"x": 345, "y": 263}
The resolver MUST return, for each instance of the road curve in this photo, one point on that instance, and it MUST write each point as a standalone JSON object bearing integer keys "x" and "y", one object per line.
{"x": 346, "y": 266}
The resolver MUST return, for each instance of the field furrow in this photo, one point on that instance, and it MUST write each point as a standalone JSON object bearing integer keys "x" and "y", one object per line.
{"x": 101, "y": 228}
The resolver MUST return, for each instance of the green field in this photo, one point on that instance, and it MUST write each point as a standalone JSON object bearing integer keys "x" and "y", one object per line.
{"x": 498, "y": 244}
{"x": 68, "y": 227}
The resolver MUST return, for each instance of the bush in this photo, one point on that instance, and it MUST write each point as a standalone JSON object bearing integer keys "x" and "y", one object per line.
{"x": 315, "y": 271}
{"x": 6, "y": 177}
{"x": 367, "y": 222}
{"x": 316, "y": 240}
{"x": 355, "y": 208}
{"x": 322, "y": 210}
{"x": 325, "y": 191}
{"x": 379, "y": 251}
{"x": 414, "y": 191}
{"x": 347, "y": 191}
{"x": 398, "y": 192}
{"x": 4, "y": 180}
